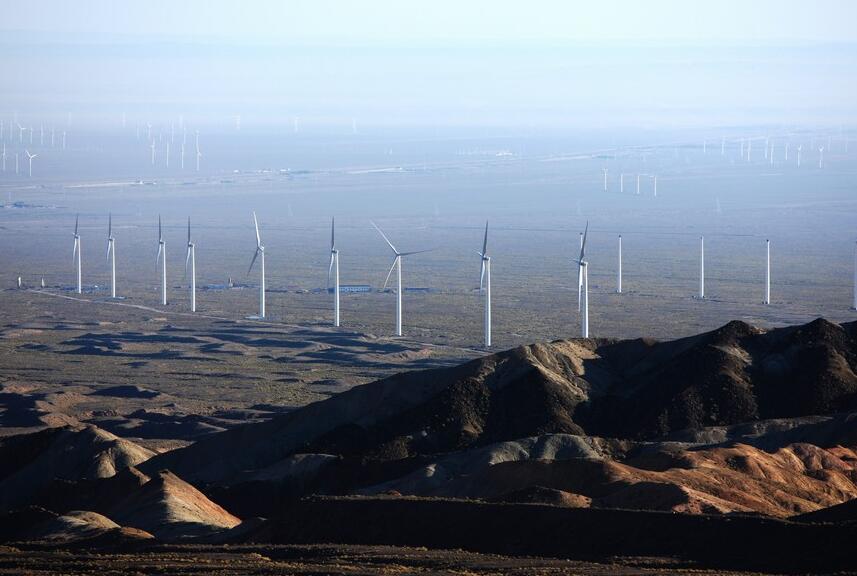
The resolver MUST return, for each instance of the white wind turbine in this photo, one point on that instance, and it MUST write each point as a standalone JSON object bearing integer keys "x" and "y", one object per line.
{"x": 605, "y": 178}
{"x": 820, "y": 157}
{"x": 702, "y": 267}
{"x": 198, "y": 153}
{"x": 583, "y": 267}
{"x": 799, "y": 149}
{"x": 397, "y": 264}
{"x": 619, "y": 273}
{"x": 162, "y": 259}
{"x": 334, "y": 270}
{"x": 854, "y": 307}
{"x": 191, "y": 261}
{"x": 260, "y": 251}
{"x": 580, "y": 278}
{"x": 75, "y": 255}
{"x": 4, "y": 156}
{"x": 768, "y": 272}
{"x": 152, "y": 146}
{"x": 111, "y": 255}
{"x": 485, "y": 286}
{"x": 30, "y": 160}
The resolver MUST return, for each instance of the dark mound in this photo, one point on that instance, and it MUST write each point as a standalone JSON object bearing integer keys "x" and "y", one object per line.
{"x": 635, "y": 389}
{"x": 845, "y": 512}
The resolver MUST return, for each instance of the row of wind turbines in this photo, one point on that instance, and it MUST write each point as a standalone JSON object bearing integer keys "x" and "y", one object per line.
{"x": 333, "y": 277}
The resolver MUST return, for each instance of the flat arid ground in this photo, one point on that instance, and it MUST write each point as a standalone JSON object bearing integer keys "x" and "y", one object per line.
{"x": 321, "y": 559}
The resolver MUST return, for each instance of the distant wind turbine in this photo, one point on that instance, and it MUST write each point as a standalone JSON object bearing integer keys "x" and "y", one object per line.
{"x": 605, "y": 178}
{"x": 619, "y": 271}
{"x": 260, "y": 251}
{"x": 190, "y": 260}
{"x": 397, "y": 264}
{"x": 75, "y": 255}
{"x": 580, "y": 278}
{"x": 30, "y": 160}
{"x": 821, "y": 157}
{"x": 622, "y": 183}
{"x": 799, "y": 149}
{"x": 152, "y": 146}
{"x": 583, "y": 266}
{"x": 485, "y": 286}
{"x": 334, "y": 270}
{"x": 162, "y": 259}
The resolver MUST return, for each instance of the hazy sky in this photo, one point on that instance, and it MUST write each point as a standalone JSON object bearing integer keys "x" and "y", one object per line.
{"x": 403, "y": 20}
{"x": 497, "y": 62}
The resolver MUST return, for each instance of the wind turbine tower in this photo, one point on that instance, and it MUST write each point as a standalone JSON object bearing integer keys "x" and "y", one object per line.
{"x": 397, "y": 265}
{"x": 260, "y": 252}
{"x": 768, "y": 272}
{"x": 111, "y": 255}
{"x": 583, "y": 265}
{"x": 485, "y": 286}
{"x": 75, "y": 255}
{"x": 619, "y": 272}
{"x": 190, "y": 260}
{"x": 162, "y": 259}
{"x": 334, "y": 270}
{"x": 30, "y": 160}
{"x": 605, "y": 178}
{"x": 702, "y": 267}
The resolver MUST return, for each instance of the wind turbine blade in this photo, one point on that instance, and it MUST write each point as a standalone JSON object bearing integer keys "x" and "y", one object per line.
{"x": 485, "y": 241}
{"x": 160, "y": 230}
{"x": 330, "y": 270}
{"x": 416, "y": 252}
{"x": 253, "y": 261}
{"x": 109, "y": 225}
{"x": 258, "y": 238}
{"x": 76, "y": 222}
{"x": 583, "y": 244}
{"x": 74, "y": 251}
{"x": 160, "y": 252}
{"x": 332, "y": 230}
{"x": 482, "y": 276}
{"x": 387, "y": 240}
{"x": 395, "y": 261}
{"x": 188, "y": 230}
{"x": 187, "y": 260}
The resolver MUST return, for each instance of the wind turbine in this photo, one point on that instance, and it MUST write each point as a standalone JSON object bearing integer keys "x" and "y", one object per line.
{"x": 4, "y": 156}
{"x": 583, "y": 266}
{"x": 855, "y": 278}
{"x": 30, "y": 160}
{"x": 655, "y": 185}
{"x": 580, "y": 278}
{"x": 605, "y": 178}
{"x": 619, "y": 273}
{"x": 485, "y": 285}
{"x": 167, "y": 156}
{"x": 152, "y": 146}
{"x": 182, "y": 156}
{"x": 821, "y": 157}
{"x": 75, "y": 255}
{"x": 191, "y": 260}
{"x": 334, "y": 269}
{"x": 397, "y": 264}
{"x": 622, "y": 183}
{"x": 162, "y": 258}
{"x": 638, "y": 184}
{"x": 198, "y": 153}
{"x": 111, "y": 255}
{"x": 702, "y": 267}
{"x": 260, "y": 251}
{"x": 768, "y": 272}
{"x": 799, "y": 149}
